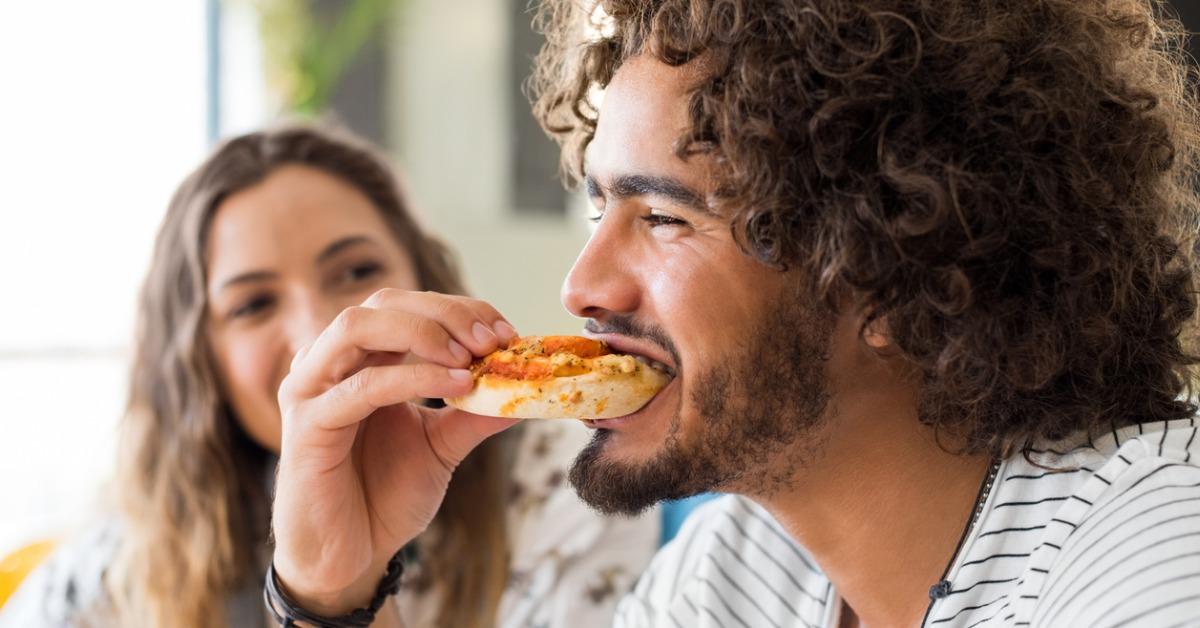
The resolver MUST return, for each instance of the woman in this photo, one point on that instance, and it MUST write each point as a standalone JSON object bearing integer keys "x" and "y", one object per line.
{"x": 273, "y": 237}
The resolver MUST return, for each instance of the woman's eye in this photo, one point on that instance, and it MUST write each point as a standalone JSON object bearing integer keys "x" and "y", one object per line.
{"x": 359, "y": 272}
{"x": 252, "y": 307}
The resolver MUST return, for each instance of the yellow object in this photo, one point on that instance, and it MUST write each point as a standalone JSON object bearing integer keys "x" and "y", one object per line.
{"x": 17, "y": 565}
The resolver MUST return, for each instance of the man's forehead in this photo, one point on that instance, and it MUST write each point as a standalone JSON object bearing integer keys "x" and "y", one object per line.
{"x": 652, "y": 87}
{"x": 642, "y": 117}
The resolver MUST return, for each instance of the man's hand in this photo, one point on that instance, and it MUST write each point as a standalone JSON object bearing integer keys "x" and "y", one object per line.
{"x": 363, "y": 468}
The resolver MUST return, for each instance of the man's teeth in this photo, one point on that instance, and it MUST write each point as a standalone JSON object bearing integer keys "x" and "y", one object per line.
{"x": 655, "y": 364}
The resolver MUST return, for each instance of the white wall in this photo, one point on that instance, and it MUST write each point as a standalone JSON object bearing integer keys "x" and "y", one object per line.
{"x": 450, "y": 89}
{"x": 102, "y": 114}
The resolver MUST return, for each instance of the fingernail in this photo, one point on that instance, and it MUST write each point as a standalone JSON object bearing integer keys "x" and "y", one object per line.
{"x": 504, "y": 330}
{"x": 462, "y": 375}
{"x": 460, "y": 352}
{"x": 482, "y": 333}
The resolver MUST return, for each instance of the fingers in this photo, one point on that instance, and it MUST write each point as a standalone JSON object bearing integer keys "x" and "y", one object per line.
{"x": 357, "y": 330}
{"x": 299, "y": 357}
{"x": 376, "y": 387}
{"x": 488, "y": 329}
{"x": 443, "y": 329}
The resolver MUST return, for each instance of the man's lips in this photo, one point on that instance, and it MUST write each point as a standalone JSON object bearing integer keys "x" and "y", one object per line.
{"x": 637, "y": 348}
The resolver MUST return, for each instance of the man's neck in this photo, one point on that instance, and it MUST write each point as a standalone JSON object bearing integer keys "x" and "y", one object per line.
{"x": 882, "y": 511}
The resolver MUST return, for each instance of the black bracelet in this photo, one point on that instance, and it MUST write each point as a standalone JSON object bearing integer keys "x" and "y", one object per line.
{"x": 287, "y": 612}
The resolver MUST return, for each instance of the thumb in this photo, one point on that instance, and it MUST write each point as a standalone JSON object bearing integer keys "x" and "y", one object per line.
{"x": 454, "y": 433}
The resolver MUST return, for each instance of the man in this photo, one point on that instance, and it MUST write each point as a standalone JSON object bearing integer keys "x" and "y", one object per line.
{"x": 920, "y": 270}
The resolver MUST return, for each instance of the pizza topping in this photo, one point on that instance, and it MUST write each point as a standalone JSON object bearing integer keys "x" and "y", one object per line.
{"x": 655, "y": 364}
{"x": 534, "y": 358}
{"x": 513, "y": 368}
{"x": 562, "y": 377}
{"x": 544, "y": 346}
{"x": 565, "y": 360}
{"x": 617, "y": 363}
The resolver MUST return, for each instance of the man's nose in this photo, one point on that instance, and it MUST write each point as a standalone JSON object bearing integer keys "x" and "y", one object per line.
{"x": 602, "y": 279}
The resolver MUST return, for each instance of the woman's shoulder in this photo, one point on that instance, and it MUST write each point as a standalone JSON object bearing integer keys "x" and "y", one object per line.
{"x": 70, "y": 581}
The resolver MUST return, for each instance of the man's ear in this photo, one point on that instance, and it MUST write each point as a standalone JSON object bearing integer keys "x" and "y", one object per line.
{"x": 875, "y": 333}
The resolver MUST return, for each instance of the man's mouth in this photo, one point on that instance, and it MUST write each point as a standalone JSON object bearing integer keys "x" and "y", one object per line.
{"x": 644, "y": 351}
{"x": 655, "y": 364}
{"x": 647, "y": 352}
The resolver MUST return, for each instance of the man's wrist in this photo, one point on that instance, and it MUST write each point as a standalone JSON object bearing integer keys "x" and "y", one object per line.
{"x": 328, "y": 596}
{"x": 353, "y": 607}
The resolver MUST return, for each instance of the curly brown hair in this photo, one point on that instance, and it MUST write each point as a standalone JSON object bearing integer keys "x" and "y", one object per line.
{"x": 1010, "y": 186}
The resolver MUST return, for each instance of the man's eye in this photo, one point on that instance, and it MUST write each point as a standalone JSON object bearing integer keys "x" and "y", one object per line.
{"x": 662, "y": 220}
{"x": 252, "y": 307}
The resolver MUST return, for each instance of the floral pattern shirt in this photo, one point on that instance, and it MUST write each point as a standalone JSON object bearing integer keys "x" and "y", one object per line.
{"x": 569, "y": 566}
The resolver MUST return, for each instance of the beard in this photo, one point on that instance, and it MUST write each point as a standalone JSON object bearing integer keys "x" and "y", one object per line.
{"x": 759, "y": 411}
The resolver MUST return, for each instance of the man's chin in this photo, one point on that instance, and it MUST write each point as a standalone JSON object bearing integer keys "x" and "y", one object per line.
{"x": 615, "y": 486}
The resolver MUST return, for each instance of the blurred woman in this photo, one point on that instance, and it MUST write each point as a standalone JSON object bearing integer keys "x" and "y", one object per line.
{"x": 261, "y": 248}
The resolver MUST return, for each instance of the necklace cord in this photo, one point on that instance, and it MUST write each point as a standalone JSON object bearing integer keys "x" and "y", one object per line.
{"x": 942, "y": 587}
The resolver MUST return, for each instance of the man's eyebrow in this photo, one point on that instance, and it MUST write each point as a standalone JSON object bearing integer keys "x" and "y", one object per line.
{"x": 635, "y": 185}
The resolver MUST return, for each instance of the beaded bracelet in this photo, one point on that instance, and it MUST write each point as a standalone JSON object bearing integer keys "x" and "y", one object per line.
{"x": 287, "y": 612}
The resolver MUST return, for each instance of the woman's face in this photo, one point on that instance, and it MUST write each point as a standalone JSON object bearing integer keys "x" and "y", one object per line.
{"x": 284, "y": 257}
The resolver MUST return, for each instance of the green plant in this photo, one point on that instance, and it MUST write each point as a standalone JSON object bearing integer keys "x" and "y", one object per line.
{"x": 306, "y": 51}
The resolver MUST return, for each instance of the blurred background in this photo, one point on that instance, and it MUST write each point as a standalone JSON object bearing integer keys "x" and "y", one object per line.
{"x": 106, "y": 106}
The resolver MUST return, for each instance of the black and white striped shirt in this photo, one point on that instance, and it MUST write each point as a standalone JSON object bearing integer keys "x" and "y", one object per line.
{"x": 1111, "y": 538}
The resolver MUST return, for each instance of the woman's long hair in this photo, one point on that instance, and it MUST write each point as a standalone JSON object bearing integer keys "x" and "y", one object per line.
{"x": 193, "y": 487}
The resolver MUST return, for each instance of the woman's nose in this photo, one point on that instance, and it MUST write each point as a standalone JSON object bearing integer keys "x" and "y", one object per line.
{"x": 307, "y": 318}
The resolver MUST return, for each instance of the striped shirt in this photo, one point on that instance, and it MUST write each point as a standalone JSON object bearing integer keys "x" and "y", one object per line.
{"x": 1109, "y": 537}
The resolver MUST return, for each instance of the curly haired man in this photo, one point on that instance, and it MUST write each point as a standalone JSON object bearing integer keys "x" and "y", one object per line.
{"x": 935, "y": 259}
{"x": 923, "y": 272}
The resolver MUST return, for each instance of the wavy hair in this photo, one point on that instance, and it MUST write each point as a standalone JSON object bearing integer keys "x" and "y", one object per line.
{"x": 193, "y": 487}
{"x": 1008, "y": 186}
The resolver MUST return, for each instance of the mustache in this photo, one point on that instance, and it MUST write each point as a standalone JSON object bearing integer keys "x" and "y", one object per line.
{"x": 625, "y": 325}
